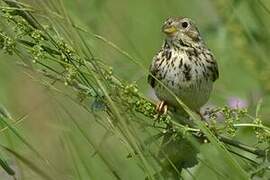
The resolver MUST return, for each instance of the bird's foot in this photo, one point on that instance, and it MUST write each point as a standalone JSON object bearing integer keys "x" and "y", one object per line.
{"x": 162, "y": 108}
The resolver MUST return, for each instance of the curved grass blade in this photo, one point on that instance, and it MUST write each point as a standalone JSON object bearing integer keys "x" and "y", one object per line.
{"x": 29, "y": 164}
{"x": 4, "y": 164}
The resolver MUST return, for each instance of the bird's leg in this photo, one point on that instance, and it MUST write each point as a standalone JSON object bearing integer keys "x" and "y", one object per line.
{"x": 162, "y": 108}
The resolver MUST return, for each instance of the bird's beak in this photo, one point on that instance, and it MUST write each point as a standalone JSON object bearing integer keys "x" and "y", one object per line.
{"x": 169, "y": 30}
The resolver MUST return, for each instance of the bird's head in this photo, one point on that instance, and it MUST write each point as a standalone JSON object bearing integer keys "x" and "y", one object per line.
{"x": 181, "y": 28}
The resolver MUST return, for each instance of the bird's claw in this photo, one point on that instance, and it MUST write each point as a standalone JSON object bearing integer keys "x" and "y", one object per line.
{"x": 162, "y": 108}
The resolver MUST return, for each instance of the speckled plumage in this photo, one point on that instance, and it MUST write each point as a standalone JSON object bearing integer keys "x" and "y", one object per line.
{"x": 184, "y": 64}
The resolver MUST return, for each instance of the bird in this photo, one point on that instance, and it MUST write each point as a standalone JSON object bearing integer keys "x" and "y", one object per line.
{"x": 184, "y": 65}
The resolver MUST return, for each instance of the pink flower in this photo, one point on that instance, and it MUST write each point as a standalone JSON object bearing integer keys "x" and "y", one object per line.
{"x": 236, "y": 102}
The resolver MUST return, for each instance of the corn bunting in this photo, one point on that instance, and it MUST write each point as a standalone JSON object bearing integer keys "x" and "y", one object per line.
{"x": 184, "y": 65}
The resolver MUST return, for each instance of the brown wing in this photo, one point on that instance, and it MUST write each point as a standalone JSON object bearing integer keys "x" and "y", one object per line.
{"x": 153, "y": 70}
{"x": 215, "y": 71}
{"x": 150, "y": 79}
{"x": 213, "y": 67}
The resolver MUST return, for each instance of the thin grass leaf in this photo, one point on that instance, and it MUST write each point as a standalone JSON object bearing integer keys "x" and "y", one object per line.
{"x": 29, "y": 164}
{"x": 4, "y": 164}
{"x": 90, "y": 143}
{"x": 21, "y": 138}
{"x": 4, "y": 112}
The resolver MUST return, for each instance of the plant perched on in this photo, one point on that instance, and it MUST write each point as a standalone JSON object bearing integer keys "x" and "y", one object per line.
{"x": 61, "y": 65}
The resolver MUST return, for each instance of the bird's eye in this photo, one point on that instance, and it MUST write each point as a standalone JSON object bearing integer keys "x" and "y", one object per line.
{"x": 184, "y": 24}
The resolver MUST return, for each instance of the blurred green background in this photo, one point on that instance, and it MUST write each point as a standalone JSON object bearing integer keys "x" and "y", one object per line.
{"x": 237, "y": 31}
